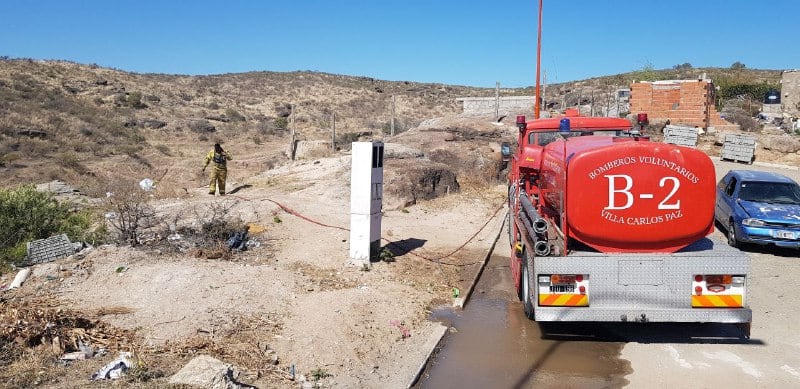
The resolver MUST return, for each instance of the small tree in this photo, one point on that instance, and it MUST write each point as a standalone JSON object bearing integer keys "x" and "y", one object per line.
{"x": 738, "y": 66}
{"x": 130, "y": 214}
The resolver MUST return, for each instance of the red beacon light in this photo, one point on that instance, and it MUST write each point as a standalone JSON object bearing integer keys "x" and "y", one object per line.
{"x": 641, "y": 119}
{"x": 521, "y": 124}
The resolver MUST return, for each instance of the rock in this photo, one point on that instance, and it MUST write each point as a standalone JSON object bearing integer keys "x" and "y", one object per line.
{"x": 401, "y": 151}
{"x": 201, "y": 126}
{"x": 781, "y": 143}
{"x": 423, "y": 180}
{"x": 57, "y": 188}
{"x": 32, "y": 133}
{"x": 153, "y": 123}
{"x": 307, "y": 149}
{"x": 222, "y": 119}
{"x": 207, "y": 372}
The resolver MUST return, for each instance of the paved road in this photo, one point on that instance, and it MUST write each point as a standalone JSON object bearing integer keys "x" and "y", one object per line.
{"x": 770, "y": 359}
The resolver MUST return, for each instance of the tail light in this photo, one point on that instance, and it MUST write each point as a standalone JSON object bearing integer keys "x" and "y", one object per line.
{"x": 563, "y": 290}
{"x": 718, "y": 291}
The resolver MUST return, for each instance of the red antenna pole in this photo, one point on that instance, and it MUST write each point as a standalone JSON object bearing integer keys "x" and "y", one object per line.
{"x": 536, "y": 107}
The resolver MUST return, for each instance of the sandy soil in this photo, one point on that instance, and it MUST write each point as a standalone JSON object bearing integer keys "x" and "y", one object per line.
{"x": 297, "y": 296}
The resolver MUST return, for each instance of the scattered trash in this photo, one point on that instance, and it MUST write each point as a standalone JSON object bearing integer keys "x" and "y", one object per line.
{"x": 252, "y": 243}
{"x": 21, "y": 276}
{"x": 85, "y": 352}
{"x": 73, "y": 356}
{"x": 49, "y": 249}
{"x": 147, "y": 184}
{"x": 238, "y": 241}
{"x": 114, "y": 369}
{"x": 405, "y": 332}
{"x": 255, "y": 228}
{"x": 121, "y": 269}
{"x": 456, "y": 292}
{"x": 110, "y": 215}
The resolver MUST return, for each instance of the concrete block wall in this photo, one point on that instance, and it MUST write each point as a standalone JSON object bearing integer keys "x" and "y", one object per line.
{"x": 790, "y": 92}
{"x": 486, "y": 105}
{"x": 681, "y": 101}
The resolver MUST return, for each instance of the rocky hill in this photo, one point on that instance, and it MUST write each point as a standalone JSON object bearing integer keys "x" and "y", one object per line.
{"x": 90, "y": 126}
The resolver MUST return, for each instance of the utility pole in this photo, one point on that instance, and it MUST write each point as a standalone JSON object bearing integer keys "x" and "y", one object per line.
{"x": 333, "y": 131}
{"x": 497, "y": 99}
{"x": 544, "y": 89}
{"x": 291, "y": 131}
{"x": 392, "y": 123}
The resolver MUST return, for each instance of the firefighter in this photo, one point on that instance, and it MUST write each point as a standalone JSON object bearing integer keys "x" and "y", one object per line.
{"x": 219, "y": 171}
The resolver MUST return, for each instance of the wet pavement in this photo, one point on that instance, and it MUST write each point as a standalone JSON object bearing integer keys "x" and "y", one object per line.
{"x": 491, "y": 344}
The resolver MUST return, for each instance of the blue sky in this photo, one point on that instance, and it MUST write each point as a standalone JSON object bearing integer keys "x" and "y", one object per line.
{"x": 466, "y": 42}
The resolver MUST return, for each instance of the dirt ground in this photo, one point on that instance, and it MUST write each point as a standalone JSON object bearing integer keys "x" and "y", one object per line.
{"x": 293, "y": 302}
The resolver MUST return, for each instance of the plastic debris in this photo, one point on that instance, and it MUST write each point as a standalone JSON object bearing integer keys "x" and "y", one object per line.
{"x": 21, "y": 276}
{"x": 405, "y": 332}
{"x": 114, "y": 369}
{"x": 238, "y": 241}
{"x": 147, "y": 184}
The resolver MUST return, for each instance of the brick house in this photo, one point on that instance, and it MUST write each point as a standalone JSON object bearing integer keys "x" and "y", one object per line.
{"x": 682, "y": 102}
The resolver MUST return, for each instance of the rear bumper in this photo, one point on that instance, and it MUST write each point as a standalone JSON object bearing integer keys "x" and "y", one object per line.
{"x": 695, "y": 315}
{"x": 646, "y": 287}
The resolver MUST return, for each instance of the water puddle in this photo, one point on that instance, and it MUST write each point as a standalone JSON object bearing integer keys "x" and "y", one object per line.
{"x": 493, "y": 345}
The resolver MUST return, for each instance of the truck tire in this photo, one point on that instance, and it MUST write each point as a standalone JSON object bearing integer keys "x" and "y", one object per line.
{"x": 525, "y": 286}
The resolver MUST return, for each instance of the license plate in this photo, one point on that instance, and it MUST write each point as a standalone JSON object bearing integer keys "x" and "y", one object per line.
{"x": 783, "y": 234}
{"x": 563, "y": 288}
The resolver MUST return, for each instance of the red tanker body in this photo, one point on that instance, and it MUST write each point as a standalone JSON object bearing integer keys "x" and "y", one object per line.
{"x": 627, "y": 194}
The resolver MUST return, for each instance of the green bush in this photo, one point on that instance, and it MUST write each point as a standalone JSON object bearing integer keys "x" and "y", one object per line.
{"x": 27, "y": 214}
{"x": 281, "y": 123}
{"x": 134, "y": 100}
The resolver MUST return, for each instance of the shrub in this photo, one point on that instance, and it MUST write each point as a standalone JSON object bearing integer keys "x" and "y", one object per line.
{"x": 234, "y": 115}
{"x": 134, "y": 100}
{"x": 130, "y": 214}
{"x": 27, "y": 214}
{"x": 281, "y": 123}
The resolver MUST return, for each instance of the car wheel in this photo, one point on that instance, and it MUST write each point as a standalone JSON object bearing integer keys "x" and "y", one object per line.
{"x": 733, "y": 241}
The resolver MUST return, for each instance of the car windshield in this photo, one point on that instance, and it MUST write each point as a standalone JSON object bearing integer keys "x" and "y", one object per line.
{"x": 770, "y": 192}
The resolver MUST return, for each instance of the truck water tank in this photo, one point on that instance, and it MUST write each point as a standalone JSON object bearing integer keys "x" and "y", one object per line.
{"x": 628, "y": 195}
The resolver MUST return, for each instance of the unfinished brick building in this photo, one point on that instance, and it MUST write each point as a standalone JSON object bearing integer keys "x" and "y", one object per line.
{"x": 682, "y": 102}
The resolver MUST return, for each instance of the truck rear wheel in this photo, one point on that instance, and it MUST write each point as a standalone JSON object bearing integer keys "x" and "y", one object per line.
{"x": 525, "y": 286}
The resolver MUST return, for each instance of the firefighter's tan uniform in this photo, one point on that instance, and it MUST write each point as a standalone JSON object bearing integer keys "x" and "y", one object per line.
{"x": 219, "y": 172}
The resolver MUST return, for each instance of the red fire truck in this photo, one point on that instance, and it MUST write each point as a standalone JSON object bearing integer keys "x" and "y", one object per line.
{"x": 606, "y": 225}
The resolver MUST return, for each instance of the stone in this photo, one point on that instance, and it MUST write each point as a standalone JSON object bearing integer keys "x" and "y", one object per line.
{"x": 207, "y": 372}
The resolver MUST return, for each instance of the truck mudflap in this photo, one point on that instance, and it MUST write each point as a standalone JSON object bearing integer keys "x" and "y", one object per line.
{"x": 704, "y": 282}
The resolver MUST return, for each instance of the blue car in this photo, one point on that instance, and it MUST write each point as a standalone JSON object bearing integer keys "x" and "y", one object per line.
{"x": 759, "y": 207}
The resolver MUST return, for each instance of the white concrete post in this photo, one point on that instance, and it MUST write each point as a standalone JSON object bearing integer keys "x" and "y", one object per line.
{"x": 366, "y": 200}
